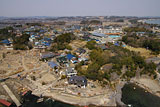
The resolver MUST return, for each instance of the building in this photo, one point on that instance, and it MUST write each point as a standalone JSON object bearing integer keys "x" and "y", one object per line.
{"x": 70, "y": 72}
{"x": 109, "y": 30}
{"x": 80, "y": 81}
{"x": 99, "y": 37}
{"x": 52, "y": 64}
{"x": 72, "y": 58}
{"x": 47, "y": 55}
{"x": 5, "y": 103}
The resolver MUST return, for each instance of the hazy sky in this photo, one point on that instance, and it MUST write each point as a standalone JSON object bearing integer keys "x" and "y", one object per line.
{"x": 79, "y": 7}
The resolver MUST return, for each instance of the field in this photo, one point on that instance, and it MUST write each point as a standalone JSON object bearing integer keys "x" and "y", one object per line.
{"x": 143, "y": 52}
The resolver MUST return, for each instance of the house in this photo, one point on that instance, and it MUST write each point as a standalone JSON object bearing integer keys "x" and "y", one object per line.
{"x": 80, "y": 51}
{"x": 74, "y": 60}
{"x": 53, "y": 65}
{"x": 81, "y": 58}
{"x": 70, "y": 72}
{"x": 116, "y": 44}
{"x": 62, "y": 60}
{"x": 5, "y": 41}
{"x": 80, "y": 81}
{"x": 47, "y": 55}
{"x": 99, "y": 37}
{"x": 70, "y": 56}
{"x": 5, "y": 103}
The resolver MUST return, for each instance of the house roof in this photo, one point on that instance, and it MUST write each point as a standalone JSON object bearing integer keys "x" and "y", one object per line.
{"x": 5, "y": 41}
{"x": 69, "y": 70}
{"x": 4, "y": 102}
{"x": 47, "y": 55}
{"x": 52, "y": 64}
{"x": 78, "y": 80}
{"x": 70, "y": 56}
{"x": 99, "y": 34}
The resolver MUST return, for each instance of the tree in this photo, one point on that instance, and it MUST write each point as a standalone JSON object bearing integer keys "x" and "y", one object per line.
{"x": 21, "y": 43}
{"x": 91, "y": 45}
{"x": 64, "y": 38}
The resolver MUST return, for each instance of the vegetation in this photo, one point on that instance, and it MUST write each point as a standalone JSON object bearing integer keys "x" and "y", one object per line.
{"x": 62, "y": 42}
{"x": 21, "y": 42}
{"x": 125, "y": 64}
{"x": 91, "y": 45}
{"x": 150, "y": 43}
{"x": 91, "y": 22}
{"x": 64, "y": 38}
{"x": 6, "y": 33}
{"x": 33, "y": 24}
{"x": 136, "y": 29}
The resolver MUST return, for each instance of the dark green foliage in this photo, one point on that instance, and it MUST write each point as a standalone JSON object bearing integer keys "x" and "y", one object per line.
{"x": 33, "y": 24}
{"x": 136, "y": 29}
{"x": 120, "y": 20}
{"x": 123, "y": 58}
{"x": 152, "y": 44}
{"x": 148, "y": 43}
{"x": 132, "y": 61}
{"x": 91, "y": 22}
{"x": 64, "y": 38}
{"x": 91, "y": 45}
{"x": 95, "y": 22}
{"x": 133, "y": 21}
{"x": 62, "y": 41}
{"x": 149, "y": 69}
{"x": 6, "y": 33}
{"x": 21, "y": 43}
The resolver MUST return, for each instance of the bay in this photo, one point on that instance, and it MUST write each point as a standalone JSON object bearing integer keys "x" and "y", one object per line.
{"x": 139, "y": 97}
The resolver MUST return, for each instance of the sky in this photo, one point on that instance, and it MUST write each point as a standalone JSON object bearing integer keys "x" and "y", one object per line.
{"x": 21, "y": 8}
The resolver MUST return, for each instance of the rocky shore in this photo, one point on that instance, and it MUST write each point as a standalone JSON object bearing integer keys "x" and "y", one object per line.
{"x": 150, "y": 85}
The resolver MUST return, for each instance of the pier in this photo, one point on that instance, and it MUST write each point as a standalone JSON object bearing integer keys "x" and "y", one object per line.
{"x": 13, "y": 97}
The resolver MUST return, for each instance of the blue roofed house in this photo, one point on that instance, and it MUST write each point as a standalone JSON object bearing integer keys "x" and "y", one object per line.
{"x": 6, "y": 43}
{"x": 53, "y": 65}
{"x": 116, "y": 44}
{"x": 72, "y": 58}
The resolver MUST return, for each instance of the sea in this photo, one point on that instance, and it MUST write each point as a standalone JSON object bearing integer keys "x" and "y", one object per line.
{"x": 154, "y": 21}
{"x": 31, "y": 101}
{"x": 136, "y": 96}
{"x": 132, "y": 95}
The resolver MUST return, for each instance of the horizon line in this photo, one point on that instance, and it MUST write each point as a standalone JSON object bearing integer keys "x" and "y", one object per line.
{"x": 77, "y": 16}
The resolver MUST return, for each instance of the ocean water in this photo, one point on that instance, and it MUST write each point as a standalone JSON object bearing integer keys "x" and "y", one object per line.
{"x": 139, "y": 97}
{"x": 156, "y": 21}
{"x": 31, "y": 101}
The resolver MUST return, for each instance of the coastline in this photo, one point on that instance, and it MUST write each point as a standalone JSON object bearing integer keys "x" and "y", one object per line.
{"x": 103, "y": 100}
{"x": 110, "y": 98}
{"x": 150, "y": 85}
